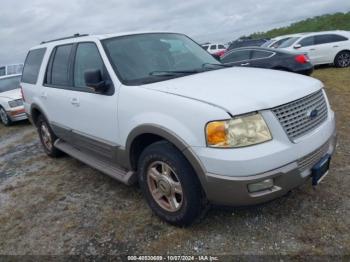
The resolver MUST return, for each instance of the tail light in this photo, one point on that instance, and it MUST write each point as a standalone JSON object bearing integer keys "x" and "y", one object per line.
{"x": 22, "y": 93}
{"x": 302, "y": 59}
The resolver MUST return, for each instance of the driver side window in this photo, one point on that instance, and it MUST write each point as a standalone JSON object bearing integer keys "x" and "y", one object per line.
{"x": 307, "y": 41}
{"x": 87, "y": 58}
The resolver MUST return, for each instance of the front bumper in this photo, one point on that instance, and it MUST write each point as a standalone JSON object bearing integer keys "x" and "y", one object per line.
{"x": 17, "y": 114}
{"x": 233, "y": 191}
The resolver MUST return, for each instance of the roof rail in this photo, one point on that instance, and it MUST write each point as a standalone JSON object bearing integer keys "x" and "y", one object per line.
{"x": 64, "y": 38}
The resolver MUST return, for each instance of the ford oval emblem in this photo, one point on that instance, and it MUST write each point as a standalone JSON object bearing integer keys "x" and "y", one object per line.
{"x": 312, "y": 114}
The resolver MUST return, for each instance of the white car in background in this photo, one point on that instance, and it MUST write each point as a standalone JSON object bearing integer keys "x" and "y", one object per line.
{"x": 279, "y": 40}
{"x": 331, "y": 47}
{"x": 11, "y": 103}
{"x": 214, "y": 48}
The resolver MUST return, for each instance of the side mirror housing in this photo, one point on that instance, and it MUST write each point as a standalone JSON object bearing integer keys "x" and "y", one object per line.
{"x": 297, "y": 46}
{"x": 93, "y": 79}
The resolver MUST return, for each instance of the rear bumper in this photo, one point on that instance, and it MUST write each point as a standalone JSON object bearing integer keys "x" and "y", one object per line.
{"x": 233, "y": 191}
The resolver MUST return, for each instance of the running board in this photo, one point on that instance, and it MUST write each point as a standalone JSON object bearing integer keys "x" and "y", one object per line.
{"x": 115, "y": 172}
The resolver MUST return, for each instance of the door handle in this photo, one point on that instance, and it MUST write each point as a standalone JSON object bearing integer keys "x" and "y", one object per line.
{"x": 75, "y": 101}
{"x": 335, "y": 46}
{"x": 245, "y": 64}
{"x": 312, "y": 49}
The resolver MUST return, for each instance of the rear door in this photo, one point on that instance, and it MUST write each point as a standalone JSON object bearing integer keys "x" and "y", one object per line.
{"x": 328, "y": 45}
{"x": 83, "y": 117}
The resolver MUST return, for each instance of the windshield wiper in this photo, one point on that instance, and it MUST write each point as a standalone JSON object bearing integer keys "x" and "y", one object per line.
{"x": 212, "y": 64}
{"x": 173, "y": 73}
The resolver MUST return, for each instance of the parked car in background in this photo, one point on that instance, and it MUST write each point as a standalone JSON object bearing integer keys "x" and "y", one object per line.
{"x": 277, "y": 41}
{"x": 268, "y": 58}
{"x": 11, "y": 103}
{"x": 246, "y": 42}
{"x": 215, "y": 49}
{"x": 331, "y": 47}
{"x": 11, "y": 69}
{"x": 190, "y": 130}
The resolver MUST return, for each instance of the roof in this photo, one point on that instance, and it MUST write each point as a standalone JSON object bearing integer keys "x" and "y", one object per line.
{"x": 83, "y": 37}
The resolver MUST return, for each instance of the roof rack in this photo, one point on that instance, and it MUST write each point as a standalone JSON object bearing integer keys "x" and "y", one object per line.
{"x": 64, "y": 38}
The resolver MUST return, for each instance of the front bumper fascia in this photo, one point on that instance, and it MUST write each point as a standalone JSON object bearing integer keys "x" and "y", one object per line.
{"x": 233, "y": 191}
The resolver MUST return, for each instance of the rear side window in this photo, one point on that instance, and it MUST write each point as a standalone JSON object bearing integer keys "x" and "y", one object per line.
{"x": 59, "y": 72}
{"x": 221, "y": 47}
{"x": 261, "y": 54}
{"x": 329, "y": 38}
{"x": 86, "y": 58}
{"x": 32, "y": 66}
{"x": 237, "y": 56}
{"x": 212, "y": 47}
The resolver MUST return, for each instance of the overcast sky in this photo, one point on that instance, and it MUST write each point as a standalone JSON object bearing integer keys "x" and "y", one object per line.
{"x": 25, "y": 23}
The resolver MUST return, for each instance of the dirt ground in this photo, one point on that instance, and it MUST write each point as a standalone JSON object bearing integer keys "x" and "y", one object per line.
{"x": 61, "y": 206}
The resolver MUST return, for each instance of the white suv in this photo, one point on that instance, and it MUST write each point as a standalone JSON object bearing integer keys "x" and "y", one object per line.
{"x": 214, "y": 48}
{"x": 158, "y": 109}
{"x": 332, "y": 47}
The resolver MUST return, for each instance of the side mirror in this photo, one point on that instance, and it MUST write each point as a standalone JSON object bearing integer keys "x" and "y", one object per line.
{"x": 297, "y": 46}
{"x": 93, "y": 79}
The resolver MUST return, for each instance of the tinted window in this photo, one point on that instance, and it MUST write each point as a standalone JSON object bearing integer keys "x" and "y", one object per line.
{"x": 2, "y": 71}
{"x": 221, "y": 47}
{"x": 261, "y": 54}
{"x": 237, "y": 56}
{"x": 32, "y": 65}
{"x": 205, "y": 47}
{"x": 87, "y": 57}
{"x": 9, "y": 83}
{"x": 60, "y": 66}
{"x": 289, "y": 42}
{"x": 307, "y": 41}
{"x": 329, "y": 38}
{"x": 212, "y": 47}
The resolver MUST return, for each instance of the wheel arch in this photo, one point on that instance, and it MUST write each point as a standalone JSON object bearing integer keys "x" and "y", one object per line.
{"x": 35, "y": 112}
{"x": 148, "y": 134}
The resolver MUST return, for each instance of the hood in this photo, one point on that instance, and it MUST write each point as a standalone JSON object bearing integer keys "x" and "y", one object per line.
{"x": 12, "y": 94}
{"x": 241, "y": 90}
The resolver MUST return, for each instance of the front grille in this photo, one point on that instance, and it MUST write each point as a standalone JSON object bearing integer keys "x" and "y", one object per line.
{"x": 295, "y": 117}
{"x": 308, "y": 161}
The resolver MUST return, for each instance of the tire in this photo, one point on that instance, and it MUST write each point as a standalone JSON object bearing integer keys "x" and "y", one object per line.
{"x": 175, "y": 175}
{"x": 342, "y": 59}
{"x": 47, "y": 137}
{"x": 5, "y": 119}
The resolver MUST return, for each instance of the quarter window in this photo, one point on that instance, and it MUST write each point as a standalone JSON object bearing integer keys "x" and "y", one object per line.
{"x": 87, "y": 57}
{"x": 261, "y": 54}
{"x": 32, "y": 66}
{"x": 237, "y": 56}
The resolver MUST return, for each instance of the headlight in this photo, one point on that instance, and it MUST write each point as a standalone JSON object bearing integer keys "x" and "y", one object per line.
{"x": 15, "y": 103}
{"x": 237, "y": 132}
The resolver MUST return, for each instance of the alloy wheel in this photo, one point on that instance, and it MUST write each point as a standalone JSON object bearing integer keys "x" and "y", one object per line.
{"x": 3, "y": 116}
{"x": 164, "y": 186}
{"x": 46, "y": 136}
{"x": 344, "y": 59}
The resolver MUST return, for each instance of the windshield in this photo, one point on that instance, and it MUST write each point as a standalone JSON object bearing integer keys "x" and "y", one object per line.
{"x": 289, "y": 42}
{"x": 9, "y": 83}
{"x": 267, "y": 43}
{"x": 135, "y": 58}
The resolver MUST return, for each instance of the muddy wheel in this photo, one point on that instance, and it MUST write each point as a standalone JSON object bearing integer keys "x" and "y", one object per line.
{"x": 47, "y": 137}
{"x": 170, "y": 184}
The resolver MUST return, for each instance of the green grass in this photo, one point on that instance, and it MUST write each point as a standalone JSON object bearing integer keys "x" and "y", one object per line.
{"x": 337, "y": 21}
